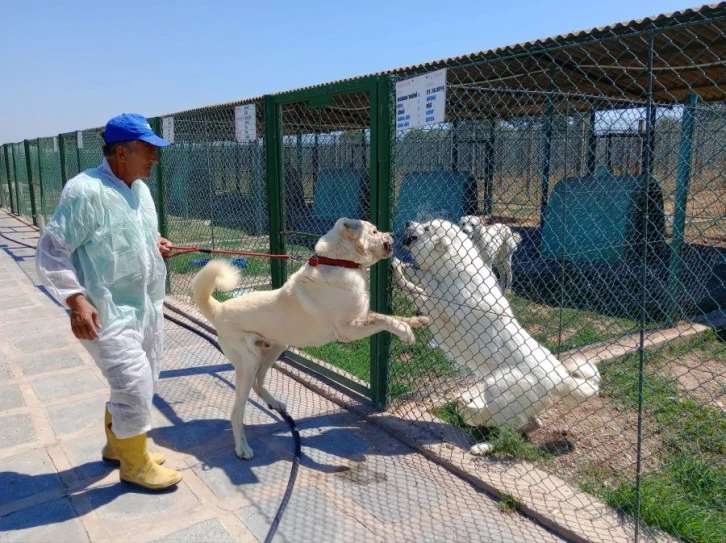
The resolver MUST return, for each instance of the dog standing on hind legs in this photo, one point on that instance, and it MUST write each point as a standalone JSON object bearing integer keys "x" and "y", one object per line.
{"x": 326, "y": 300}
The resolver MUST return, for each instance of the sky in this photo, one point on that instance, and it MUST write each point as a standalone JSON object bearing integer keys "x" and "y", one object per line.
{"x": 71, "y": 65}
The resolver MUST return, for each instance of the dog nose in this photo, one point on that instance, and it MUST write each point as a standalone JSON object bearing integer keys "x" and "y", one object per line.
{"x": 409, "y": 239}
{"x": 387, "y": 245}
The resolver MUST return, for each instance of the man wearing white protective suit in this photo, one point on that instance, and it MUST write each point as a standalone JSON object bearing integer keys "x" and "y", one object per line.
{"x": 101, "y": 255}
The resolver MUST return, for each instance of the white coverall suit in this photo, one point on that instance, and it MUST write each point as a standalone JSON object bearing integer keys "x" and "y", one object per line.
{"x": 102, "y": 242}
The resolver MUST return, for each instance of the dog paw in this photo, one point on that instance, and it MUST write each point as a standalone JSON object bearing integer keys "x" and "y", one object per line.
{"x": 533, "y": 425}
{"x": 406, "y": 336}
{"x": 481, "y": 449}
{"x": 244, "y": 452}
{"x": 420, "y": 322}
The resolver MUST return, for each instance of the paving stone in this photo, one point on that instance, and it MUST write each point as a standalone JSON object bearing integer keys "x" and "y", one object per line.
{"x": 36, "y": 328}
{"x": 210, "y": 531}
{"x": 5, "y": 372}
{"x": 33, "y": 314}
{"x": 387, "y": 489}
{"x": 27, "y": 474}
{"x": 74, "y": 416}
{"x": 62, "y": 386}
{"x": 54, "y": 521}
{"x": 16, "y": 302}
{"x": 42, "y": 343}
{"x": 84, "y": 454}
{"x": 16, "y": 429}
{"x": 310, "y": 516}
{"x": 128, "y": 502}
{"x": 10, "y": 397}
{"x": 57, "y": 360}
{"x": 228, "y": 476}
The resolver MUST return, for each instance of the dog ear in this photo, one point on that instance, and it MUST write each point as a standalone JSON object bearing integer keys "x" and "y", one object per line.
{"x": 351, "y": 228}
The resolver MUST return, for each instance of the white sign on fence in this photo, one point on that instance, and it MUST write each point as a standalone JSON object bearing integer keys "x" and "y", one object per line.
{"x": 245, "y": 122}
{"x": 79, "y": 139}
{"x": 55, "y": 144}
{"x": 167, "y": 129}
{"x": 421, "y": 100}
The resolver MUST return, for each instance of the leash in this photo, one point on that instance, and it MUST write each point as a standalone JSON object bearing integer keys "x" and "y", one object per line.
{"x": 184, "y": 249}
{"x": 313, "y": 260}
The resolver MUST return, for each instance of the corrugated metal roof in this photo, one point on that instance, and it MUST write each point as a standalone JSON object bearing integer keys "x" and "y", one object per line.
{"x": 605, "y": 65}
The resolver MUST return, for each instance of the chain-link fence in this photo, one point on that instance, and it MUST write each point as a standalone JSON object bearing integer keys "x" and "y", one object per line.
{"x": 214, "y": 191}
{"x": 563, "y": 225}
{"x": 594, "y": 175}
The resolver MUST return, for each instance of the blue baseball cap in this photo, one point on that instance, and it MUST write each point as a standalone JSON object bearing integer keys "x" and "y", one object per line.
{"x": 130, "y": 127}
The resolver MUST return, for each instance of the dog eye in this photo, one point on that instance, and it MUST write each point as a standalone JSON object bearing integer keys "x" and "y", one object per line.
{"x": 427, "y": 229}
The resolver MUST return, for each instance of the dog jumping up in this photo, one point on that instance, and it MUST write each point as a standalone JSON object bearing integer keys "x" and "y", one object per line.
{"x": 325, "y": 300}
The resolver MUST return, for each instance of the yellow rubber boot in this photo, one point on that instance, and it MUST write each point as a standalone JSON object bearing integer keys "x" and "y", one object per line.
{"x": 137, "y": 467}
{"x": 108, "y": 454}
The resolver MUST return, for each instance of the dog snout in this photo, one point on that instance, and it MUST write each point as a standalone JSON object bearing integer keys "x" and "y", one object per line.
{"x": 409, "y": 239}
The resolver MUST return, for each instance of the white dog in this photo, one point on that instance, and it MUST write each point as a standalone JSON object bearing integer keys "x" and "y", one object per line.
{"x": 325, "y": 300}
{"x": 496, "y": 243}
{"x": 473, "y": 324}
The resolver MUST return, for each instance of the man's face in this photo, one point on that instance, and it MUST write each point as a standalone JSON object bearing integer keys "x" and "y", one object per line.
{"x": 139, "y": 160}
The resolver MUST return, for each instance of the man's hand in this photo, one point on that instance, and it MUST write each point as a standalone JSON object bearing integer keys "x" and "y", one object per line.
{"x": 85, "y": 321}
{"x": 164, "y": 247}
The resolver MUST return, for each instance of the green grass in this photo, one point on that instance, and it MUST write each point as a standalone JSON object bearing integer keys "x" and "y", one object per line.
{"x": 562, "y": 329}
{"x": 686, "y": 495}
{"x": 509, "y": 504}
{"x": 507, "y": 444}
{"x": 353, "y": 357}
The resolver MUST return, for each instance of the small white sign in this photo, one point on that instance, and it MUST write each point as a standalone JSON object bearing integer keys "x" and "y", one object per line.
{"x": 79, "y": 139}
{"x": 245, "y": 123}
{"x": 55, "y": 144}
{"x": 421, "y": 100}
{"x": 167, "y": 129}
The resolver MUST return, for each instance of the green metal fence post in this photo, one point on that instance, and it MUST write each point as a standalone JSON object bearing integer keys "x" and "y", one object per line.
{"x": 681, "y": 198}
{"x": 29, "y": 169}
{"x": 159, "y": 181}
{"x": 78, "y": 151}
{"x": 40, "y": 182}
{"x": 17, "y": 181}
{"x": 10, "y": 183}
{"x": 273, "y": 137}
{"x": 547, "y": 152}
{"x": 591, "y": 142}
{"x": 489, "y": 168}
{"x": 155, "y": 123}
{"x": 62, "y": 151}
{"x": 381, "y": 214}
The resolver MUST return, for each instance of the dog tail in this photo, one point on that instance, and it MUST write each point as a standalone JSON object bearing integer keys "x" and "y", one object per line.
{"x": 217, "y": 274}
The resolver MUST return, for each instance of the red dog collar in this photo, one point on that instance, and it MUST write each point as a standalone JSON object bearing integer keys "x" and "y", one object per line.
{"x": 315, "y": 260}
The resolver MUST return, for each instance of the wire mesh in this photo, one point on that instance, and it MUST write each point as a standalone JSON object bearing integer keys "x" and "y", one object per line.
{"x": 22, "y": 187}
{"x": 581, "y": 171}
{"x": 326, "y": 176}
{"x": 50, "y": 175}
{"x": 215, "y": 195}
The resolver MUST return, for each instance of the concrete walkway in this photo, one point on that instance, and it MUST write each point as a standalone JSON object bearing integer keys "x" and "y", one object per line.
{"x": 356, "y": 482}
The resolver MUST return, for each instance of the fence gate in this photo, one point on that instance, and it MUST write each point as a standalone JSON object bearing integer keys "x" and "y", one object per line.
{"x": 328, "y": 158}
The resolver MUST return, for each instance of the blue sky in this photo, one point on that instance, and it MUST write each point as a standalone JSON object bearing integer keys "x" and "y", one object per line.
{"x": 73, "y": 64}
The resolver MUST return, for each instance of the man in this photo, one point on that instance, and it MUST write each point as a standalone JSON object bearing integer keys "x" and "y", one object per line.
{"x": 102, "y": 255}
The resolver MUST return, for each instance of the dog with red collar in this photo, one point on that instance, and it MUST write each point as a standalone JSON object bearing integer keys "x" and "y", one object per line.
{"x": 326, "y": 300}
